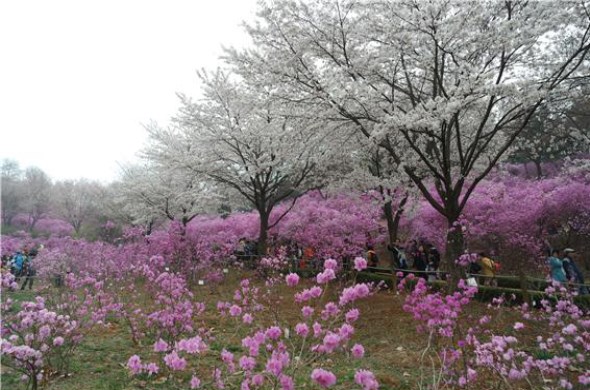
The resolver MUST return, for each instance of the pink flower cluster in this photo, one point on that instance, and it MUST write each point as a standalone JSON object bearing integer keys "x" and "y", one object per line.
{"x": 354, "y": 293}
{"x": 245, "y": 303}
{"x": 436, "y": 312}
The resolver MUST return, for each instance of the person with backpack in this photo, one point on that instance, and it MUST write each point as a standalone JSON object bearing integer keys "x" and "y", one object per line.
{"x": 488, "y": 269}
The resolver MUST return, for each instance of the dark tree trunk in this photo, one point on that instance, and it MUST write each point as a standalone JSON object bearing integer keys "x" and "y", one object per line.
{"x": 391, "y": 228}
{"x": 393, "y": 219}
{"x": 539, "y": 169}
{"x": 454, "y": 248}
{"x": 7, "y": 219}
{"x": 263, "y": 234}
{"x": 32, "y": 222}
{"x": 149, "y": 227}
{"x": 77, "y": 227}
{"x": 398, "y": 216}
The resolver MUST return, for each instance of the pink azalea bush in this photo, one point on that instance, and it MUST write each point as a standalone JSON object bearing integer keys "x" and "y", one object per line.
{"x": 37, "y": 341}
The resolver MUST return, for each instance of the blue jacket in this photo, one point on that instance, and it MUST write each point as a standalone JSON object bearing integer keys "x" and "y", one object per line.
{"x": 18, "y": 261}
{"x": 557, "y": 272}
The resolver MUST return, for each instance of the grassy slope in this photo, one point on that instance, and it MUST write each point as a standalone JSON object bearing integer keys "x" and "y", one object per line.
{"x": 393, "y": 348}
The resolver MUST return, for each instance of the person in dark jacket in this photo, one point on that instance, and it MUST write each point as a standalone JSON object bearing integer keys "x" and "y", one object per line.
{"x": 420, "y": 261}
{"x": 29, "y": 273}
{"x": 572, "y": 272}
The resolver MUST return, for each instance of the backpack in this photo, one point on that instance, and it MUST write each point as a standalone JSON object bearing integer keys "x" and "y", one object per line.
{"x": 497, "y": 267}
{"x": 474, "y": 268}
{"x": 403, "y": 262}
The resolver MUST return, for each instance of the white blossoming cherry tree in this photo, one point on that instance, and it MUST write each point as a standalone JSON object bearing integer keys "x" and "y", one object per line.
{"x": 236, "y": 137}
{"x": 444, "y": 87}
{"x": 153, "y": 191}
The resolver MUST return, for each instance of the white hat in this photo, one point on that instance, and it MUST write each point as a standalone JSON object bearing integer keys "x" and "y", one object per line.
{"x": 568, "y": 250}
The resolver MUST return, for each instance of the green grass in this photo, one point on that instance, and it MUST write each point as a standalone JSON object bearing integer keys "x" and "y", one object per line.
{"x": 388, "y": 334}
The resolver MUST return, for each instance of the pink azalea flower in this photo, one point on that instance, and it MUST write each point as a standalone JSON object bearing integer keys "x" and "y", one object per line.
{"x": 273, "y": 333}
{"x": 58, "y": 341}
{"x": 360, "y": 264}
{"x": 292, "y": 280}
{"x": 195, "y": 382}
{"x": 352, "y": 315}
{"x": 247, "y": 318}
{"x": 151, "y": 368}
{"x": 175, "y": 362}
{"x": 160, "y": 346}
{"x": 323, "y": 377}
{"x": 357, "y": 351}
{"x": 330, "y": 264}
{"x": 134, "y": 365}
{"x": 235, "y": 310}
{"x": 307, "y": 311}
{"x": 302, "y": 329}
{"x": 366, "y": 379}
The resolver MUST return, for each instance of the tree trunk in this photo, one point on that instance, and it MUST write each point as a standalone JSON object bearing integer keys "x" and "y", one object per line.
{"x": 393, "y": 219}
{"x": 7, "y": 219}
{"x": 398, "y": 216}
{"x": 263, "y": 235}
{"x": 391, "y": 228}
{"x": 539, "y": 169}
{"x": 32, "y": 222}
{"x": 455, "y": 248}
{"x": 149, "y": 227}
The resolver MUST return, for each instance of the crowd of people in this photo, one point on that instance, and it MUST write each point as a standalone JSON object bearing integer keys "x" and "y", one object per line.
{"x": 299, "y": 257}
{"x": 20, "y": 264}
{"x": 417, "y": 256}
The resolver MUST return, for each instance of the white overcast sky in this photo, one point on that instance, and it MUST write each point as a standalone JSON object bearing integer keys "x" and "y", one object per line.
{"x": 79, "y": 78}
